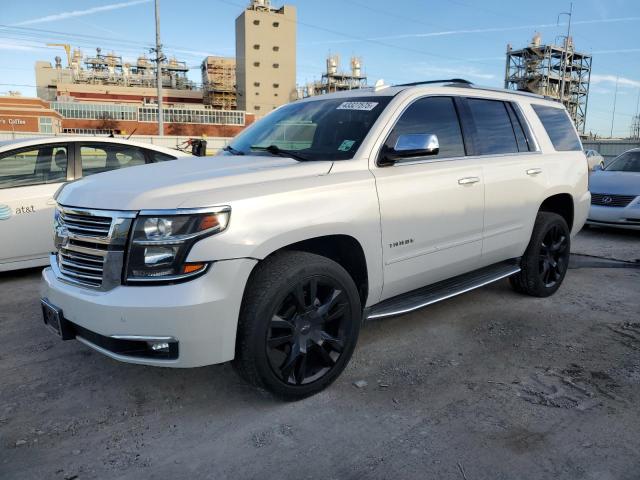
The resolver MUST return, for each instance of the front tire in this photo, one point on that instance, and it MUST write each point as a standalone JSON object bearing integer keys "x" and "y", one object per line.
{"x": 299, "y": 323}
{"x": 545, "y": 262}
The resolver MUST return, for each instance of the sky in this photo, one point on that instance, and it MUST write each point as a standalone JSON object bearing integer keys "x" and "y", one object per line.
{"x": 398, "y": 41}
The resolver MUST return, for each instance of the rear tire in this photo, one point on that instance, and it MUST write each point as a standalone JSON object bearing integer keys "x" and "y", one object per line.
{"x": 299, "y": 323}
{"x": 545, "y": 262}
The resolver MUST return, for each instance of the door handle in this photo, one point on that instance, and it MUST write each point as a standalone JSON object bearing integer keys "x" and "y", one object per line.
{"x": 468, "y": 180}
{"x": 534, "y": 171}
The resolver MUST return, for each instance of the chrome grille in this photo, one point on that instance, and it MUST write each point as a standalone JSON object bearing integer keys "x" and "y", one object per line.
{"x": 610, "y": 200}
{"x": 90, "y": 246}
{"x": 83, "y": 225}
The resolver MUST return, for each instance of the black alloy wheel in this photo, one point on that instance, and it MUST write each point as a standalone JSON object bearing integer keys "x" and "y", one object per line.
{"x": 307, "y": 332}
{"x": 546, "y": 259}
{"x": 554, "y": 255}
{"x": 298, "y": 325}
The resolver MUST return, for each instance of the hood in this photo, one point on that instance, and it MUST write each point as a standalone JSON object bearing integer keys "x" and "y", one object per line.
{"x": 617, "y": 183}
{"x": 172, "y": 184}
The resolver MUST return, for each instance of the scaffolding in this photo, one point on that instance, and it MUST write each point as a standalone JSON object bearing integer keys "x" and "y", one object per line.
{"x": 555, "y": 71}
{"x": 219, "y": 82}
{"x": 334, "y": 80}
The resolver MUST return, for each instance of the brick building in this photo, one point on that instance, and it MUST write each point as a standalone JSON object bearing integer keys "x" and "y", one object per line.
{"x": 24, "y": 114}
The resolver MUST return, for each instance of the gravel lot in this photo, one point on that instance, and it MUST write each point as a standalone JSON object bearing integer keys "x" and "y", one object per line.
{"x": 488, "y": 385}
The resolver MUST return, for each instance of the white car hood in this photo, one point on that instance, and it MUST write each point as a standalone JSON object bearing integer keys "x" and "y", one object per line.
{"x": 183, "y": 183}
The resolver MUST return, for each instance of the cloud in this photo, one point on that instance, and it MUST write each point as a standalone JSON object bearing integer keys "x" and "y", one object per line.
{"x": 81, "y": 13}
{"x": 445, "y": 33}
{"x": 20, "y": 46}
{"x": 611, "y": 80}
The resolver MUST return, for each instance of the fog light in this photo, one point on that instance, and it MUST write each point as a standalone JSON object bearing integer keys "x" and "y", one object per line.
{"x": 160, "y": 347}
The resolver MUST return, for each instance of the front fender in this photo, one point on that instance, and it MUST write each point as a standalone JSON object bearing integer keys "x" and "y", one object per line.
{"x": 337, "y": 204}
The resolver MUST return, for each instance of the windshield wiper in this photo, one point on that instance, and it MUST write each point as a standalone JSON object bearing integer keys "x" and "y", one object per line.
{"x": 276, "y": 150}
{"x": 232, "y": 150}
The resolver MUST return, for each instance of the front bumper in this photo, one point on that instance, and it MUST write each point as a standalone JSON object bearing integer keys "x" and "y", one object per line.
{"x": 200, "y": 315}
{"x": 619, "y": 217}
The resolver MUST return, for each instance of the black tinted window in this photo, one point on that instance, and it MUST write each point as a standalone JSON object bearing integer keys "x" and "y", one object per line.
{"x": 521, "y": 137}
{"x": 559, "y": 128}
{"x": 493, "y": 126}
{"x": 436, "y": 115}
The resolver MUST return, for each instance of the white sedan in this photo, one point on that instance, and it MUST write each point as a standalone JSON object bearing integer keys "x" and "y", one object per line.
{"x": 31, "y": 170}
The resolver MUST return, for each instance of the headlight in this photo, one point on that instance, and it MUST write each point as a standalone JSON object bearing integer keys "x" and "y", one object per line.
{"x": 161, "y": 241}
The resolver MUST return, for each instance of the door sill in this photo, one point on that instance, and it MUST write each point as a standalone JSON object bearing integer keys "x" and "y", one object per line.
{"x": 421, "y": 297}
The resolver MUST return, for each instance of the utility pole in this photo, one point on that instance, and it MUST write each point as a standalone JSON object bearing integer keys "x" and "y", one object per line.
{"x": 565, "y": 57}
{"x": 159, "y": 60}
{"x": 613, "y": 115}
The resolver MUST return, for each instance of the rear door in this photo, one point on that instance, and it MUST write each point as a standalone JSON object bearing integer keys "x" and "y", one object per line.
{"x": 29, "y": 177}
{"x": 514, "y": 175}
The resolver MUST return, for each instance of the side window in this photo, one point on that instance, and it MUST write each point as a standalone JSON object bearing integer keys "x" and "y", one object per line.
{"x": 100, "y": 158}
{"x": 33, "y": 167}
{"x": 558, "y": 125}
{"x": 521, "y": 136}
{"x": 159, "y": 157}
{"x": 494, "y": 131}
{"x": 436, "y": 115}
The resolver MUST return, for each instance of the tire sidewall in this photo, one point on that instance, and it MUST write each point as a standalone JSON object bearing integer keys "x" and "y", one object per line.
{"x": 259, "y": 315}
{"x": 544, "y": 223}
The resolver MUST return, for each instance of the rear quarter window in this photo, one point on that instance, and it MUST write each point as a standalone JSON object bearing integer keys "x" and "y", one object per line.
{"x": 558, "y": 125}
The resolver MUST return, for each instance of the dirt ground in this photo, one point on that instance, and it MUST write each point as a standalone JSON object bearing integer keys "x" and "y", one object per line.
{"x": 489, "y": 385}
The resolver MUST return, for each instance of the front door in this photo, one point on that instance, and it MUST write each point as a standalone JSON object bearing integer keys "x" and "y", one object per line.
{"x": 28, "y": 180}
{"x": 431, "y": 207}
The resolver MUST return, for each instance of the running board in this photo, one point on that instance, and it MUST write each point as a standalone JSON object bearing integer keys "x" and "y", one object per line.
{"x": 410, "y": 301}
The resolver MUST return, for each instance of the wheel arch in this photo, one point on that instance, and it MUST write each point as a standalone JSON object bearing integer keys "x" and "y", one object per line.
{"x": 561, "y": 204}
{"x": 343, "y": 249}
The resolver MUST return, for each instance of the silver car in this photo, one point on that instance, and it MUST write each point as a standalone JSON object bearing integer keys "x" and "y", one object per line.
{"x": 615, "y": 193}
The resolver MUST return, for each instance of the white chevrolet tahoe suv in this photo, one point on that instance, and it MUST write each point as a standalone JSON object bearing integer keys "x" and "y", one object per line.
{"x": 328, "y": 211}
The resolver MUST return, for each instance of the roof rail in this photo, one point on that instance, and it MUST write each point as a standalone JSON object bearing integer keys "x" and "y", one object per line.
{"x": 427, "y": 82}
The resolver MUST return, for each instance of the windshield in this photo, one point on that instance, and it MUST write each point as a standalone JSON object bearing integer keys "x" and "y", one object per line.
{"x": 330, "y": 129}
{"x": 627, "y": 162}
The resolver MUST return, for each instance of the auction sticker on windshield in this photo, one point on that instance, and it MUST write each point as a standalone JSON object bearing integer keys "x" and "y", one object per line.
{"x": 366, "y": 106}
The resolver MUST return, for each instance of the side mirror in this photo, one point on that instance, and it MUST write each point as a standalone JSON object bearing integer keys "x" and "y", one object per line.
{"x": 411, "y": 145}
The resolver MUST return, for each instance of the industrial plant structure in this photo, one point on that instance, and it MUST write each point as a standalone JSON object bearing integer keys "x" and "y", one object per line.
{"x": 219, "y": 82}
{"x": 102, "y": 94}
{"x": 556, "y": 71}
{"x": 335, "y": 80}
{"x": 265, "y": 57}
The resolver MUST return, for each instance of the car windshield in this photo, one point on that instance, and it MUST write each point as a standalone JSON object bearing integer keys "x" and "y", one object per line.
{"x": 330, "y": 129}
{"x": 627, "y": 162}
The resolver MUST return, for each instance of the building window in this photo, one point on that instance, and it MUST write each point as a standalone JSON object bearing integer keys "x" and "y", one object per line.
{"x": 276, "y": 24}
{"x": 256, "y": 84}
{"x": 46, "y": 125}
{"x": 276, "y": 48}
{"x": 256, "y": 64}
{"x": 276, "y": 85}
{"x": 256, "y": 22}
{"x": 257, "y": 93}
{"x": 276, "y": 65}
{"x": 275, "y": 94}
{"x": 256, "y": 47}
{"x": 256, "y": 107}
